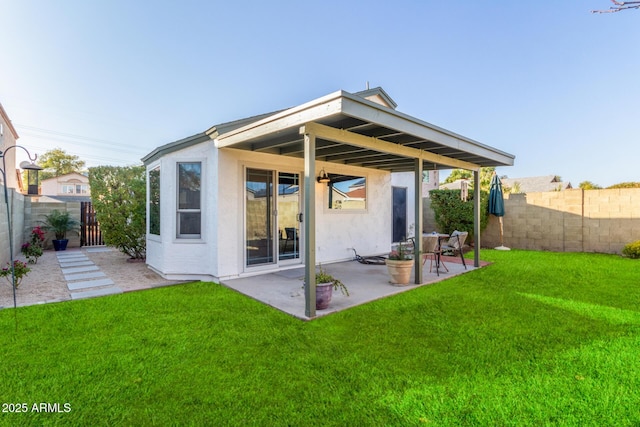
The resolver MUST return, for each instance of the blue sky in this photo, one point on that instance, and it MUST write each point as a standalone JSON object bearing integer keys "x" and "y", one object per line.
{"x": 545, "y": 80}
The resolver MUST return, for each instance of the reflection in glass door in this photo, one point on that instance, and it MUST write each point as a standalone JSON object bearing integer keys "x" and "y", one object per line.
{"x": 259, "y": 217}
{"x": 289, "y": 216}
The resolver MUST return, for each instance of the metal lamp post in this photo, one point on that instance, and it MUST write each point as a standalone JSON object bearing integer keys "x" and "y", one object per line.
{"x": 26, "y": 166}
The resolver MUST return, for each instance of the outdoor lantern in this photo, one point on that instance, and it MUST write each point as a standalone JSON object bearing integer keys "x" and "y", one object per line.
{"x": 32, "y": 176}
{"x": 323, "y": 178}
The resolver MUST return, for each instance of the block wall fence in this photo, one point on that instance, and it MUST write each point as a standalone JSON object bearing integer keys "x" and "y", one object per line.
{"x": 26, "y": 214}
{"x": 564, "y": 221}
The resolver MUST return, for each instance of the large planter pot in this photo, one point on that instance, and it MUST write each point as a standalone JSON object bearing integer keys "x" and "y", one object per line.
{"x": 60, "y": 245}
{"x": 399, "y": 271}
{"x": 324, "y": 291}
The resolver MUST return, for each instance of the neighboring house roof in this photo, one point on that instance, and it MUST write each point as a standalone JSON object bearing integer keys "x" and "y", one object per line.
{"x": 536, "y": 184}
{"x": 455, "y": 185}
{"x": 68, "y": 198}
{"x": 68, "y": 178}
{"x": 358, "y": 193}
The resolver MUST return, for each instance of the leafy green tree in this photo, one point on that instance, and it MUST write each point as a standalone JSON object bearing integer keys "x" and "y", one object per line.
{"x": 626, "y": 185}
{"x": 588, "y": 185}
{"x": 119, "y": 198}
{"x": 58, "y": 162}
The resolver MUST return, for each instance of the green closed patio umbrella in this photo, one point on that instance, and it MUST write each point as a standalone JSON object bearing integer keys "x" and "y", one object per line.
{"x": 496, "y": 205}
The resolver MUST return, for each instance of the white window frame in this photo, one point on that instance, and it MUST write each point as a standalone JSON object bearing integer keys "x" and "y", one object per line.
{"x": 179, "y": 211}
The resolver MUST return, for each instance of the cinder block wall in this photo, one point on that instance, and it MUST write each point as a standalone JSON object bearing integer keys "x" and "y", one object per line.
{"x": 34, "y": 215}
{"x": 571, "y": 220}
{"x": 16, "y": 203}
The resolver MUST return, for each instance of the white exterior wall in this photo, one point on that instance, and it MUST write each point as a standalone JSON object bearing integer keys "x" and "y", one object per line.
{"x": 220, "y": 252}
{"x": 406, "y": 180}
{"x": 185, "y": 258}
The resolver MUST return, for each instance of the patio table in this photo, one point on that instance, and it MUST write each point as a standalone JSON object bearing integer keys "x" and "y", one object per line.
{"x": 437, "y": 253}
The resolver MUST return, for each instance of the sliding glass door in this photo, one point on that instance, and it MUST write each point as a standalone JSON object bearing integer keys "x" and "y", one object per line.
{"x": 272, "y": 217}
{"x": 259, "y": 217}
{"x": 289, "y": 216}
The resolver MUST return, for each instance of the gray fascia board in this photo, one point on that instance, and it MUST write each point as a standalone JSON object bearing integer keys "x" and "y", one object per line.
{"x": 291, "y": 118}
{"x": 175, "y": 146}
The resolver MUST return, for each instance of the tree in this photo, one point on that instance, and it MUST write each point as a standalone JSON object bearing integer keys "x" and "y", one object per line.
{"x": 57, "y": 162}
{"x": 625, "y": 185}
{"x": 620, "y": 5}
{"x": 588, "y": 185}
{"x": 119, "y": 198}
{"x": 452, "y": 213}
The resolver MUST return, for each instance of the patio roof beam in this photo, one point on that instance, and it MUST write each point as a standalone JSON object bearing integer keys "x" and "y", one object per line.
{"x": 375, "y": 144}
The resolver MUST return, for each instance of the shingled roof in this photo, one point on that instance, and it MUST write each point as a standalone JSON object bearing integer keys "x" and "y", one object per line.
{"x": 536, "y": 184}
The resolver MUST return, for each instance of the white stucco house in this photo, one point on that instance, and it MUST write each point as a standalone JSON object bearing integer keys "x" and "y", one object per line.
{"x": 296, "y": 187}
{"x": 71, "y": 185}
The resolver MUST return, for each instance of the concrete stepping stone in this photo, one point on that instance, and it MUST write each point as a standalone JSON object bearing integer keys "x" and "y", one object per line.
{"x": 89, "y": 284}
{"x": 84, "y": 276}
{"x": 72, "y": 270}
{"x": 69, "y": 254}
{"x": 74, "y": 259}
{"x": 98, "y": 249}
{"x": 76, "y": 264}
{"x": 96, "y": 293}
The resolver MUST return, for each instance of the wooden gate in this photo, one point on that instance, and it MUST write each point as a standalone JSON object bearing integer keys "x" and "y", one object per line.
{"x": 90, "y": 234}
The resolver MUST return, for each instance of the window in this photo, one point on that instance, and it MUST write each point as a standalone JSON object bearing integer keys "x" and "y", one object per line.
{"x": 347, "y": 192}
{"x": 75, "y": 188}
{"x": 189, "y": 223}
{"x": 154, "y": 201}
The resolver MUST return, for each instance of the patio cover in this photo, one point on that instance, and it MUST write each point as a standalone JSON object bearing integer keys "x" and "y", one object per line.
{"x": 348, "y": 129}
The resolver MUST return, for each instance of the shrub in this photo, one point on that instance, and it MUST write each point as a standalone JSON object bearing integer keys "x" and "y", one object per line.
{"x": 118, "y": 195}
{"x": 33, "y": 248}
{"x": 20, "y": 270}
{"x": 632, "y": 250}
{"x": 454, "y": 214}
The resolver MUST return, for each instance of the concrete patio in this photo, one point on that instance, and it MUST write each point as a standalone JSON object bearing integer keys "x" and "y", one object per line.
{"x": 283, "y": 289}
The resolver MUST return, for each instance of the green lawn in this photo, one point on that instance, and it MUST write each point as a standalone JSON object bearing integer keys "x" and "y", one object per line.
{"x": 534, "y": 339}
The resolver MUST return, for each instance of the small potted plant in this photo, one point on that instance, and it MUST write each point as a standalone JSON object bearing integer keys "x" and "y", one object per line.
{"x": 400, "y": 265}
{"x": 325, "y": 285}
{"x": 60, "y": 223}
{"x": 33, "y": 248}
{"x": 20, "y": 270}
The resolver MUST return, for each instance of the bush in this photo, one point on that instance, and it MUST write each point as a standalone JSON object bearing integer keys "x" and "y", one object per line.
{"x": 454, "y": 214}
{"x": 118, "y": 195}
{"x": 632, "y": 250}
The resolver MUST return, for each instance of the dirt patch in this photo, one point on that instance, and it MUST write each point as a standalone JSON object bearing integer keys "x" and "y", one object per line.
{"x": 45, "y": 282}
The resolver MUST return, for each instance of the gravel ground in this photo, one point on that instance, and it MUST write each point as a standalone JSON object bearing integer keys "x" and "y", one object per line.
{"x": 45, "y": 282}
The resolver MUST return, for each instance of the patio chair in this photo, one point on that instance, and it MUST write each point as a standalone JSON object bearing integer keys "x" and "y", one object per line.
{"x": 431, "y": 248}
{"x": 292, "y": 236}
{"x": 455, "y": 244}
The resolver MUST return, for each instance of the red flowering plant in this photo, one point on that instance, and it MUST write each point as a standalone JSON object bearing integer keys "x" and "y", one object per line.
{"x": 33, "y": 248}
{"x": 20, "y": 269}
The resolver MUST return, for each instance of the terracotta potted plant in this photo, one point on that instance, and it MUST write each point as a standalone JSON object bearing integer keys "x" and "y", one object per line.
{"x": 60, "y": 223}
{"x": 400, "y": 265}
{"x": 325, "y": 285}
